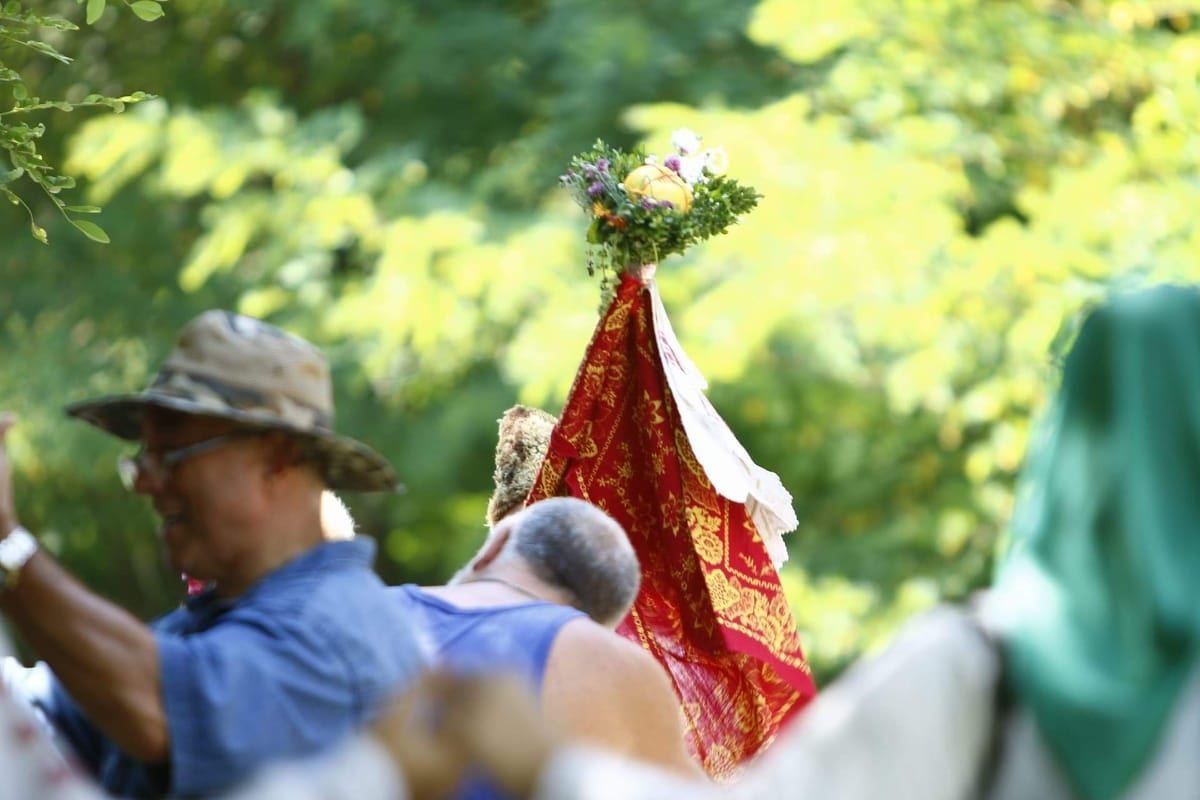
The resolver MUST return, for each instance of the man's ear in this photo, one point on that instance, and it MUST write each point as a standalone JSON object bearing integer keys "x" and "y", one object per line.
{"x": 492, "y": 548}
{"x": 282, "y": 452}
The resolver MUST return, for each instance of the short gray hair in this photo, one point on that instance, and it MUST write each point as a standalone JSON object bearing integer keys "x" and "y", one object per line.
{"x": 577, "y": 548}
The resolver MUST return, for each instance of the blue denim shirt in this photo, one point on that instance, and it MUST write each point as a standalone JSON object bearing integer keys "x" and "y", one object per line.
{"x": 307, "y": 655}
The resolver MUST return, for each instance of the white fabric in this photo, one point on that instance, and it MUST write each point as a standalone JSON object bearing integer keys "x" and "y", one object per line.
{"x": 1027, "y": 770}
{"x": 358, "y": 770}
{"x": 725, "y": 461}
{"x": 913, "y": 724}
{"x": 30, "y": 765}
{"x": 579, "y": 773}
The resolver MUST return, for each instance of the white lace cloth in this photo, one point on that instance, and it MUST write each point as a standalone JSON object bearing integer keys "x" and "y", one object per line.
{"x": 31, "y": 766}
{"x": 725, "y": 461}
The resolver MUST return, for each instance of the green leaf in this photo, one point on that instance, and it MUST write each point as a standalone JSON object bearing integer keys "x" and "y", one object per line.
{"x": 81, "y": 209}
{"x": 37, "y": 104}
{"x": 147, "y": 10}
{"x": 56, "y": 183}
{"x": 39, "y": 232}
{"x": 90, "y": 230}
{"x": 8, "y": 176}
{"x": 46, "y": 49}
{"x": 57, "y": 23}
{"x": 94, "y": 9}
{"x": 19, "y": 92}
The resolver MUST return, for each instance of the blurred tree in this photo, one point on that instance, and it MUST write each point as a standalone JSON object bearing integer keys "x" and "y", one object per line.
{"x": 946, "y": 182}
{"x": 30, "y": 34}
{"x": 303, "y": 159}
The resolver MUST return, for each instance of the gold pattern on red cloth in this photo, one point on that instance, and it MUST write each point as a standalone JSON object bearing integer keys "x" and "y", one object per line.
{"x": 711, "y": 608}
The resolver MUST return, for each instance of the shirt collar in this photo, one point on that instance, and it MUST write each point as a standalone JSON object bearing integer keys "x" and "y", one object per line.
{"x": 327, "y": 556}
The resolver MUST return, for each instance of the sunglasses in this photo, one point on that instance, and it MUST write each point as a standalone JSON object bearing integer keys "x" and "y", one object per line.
{"x": 158, "y": 465}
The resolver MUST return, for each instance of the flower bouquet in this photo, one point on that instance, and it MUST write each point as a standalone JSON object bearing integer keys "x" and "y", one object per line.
{"x": 644, "y": 209}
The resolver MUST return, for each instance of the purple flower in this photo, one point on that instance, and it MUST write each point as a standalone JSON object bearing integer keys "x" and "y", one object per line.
{"x": 648, "y": 203}
{"x": 665, "y": 204}
{"x": 602, "y": 165}
{"x": 589, "y": 171}
{"x": 671, "y": 163}
{"x": 596, "y": 189}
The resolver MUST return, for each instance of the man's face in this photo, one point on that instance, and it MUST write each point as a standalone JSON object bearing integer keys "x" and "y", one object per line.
{"x": 208, "y": 501}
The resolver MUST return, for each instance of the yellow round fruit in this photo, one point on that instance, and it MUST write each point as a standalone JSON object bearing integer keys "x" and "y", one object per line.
{"x": 659, "y": 183}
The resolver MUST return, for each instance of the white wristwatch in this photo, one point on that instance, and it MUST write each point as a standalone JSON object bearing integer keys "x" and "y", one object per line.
{"x": 15, "y": 551}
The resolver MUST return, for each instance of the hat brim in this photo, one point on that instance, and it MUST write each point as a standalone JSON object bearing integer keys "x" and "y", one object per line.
{"x": 345, "y": 464}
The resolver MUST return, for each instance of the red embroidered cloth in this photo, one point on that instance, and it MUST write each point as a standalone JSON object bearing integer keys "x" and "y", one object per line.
{"x": 711, "y": 608}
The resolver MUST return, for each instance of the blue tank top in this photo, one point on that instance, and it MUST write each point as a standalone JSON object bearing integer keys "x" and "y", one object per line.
{"x": 509, "y": 638}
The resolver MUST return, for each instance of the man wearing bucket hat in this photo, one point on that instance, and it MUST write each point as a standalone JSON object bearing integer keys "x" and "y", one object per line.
{"x": 293, "y": 644}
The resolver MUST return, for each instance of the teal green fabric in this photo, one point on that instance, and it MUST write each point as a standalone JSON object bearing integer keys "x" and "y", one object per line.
{"x": 1103, "y": 581}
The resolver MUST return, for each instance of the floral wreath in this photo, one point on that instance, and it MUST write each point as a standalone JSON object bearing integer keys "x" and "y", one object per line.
{"x": 644, "y": 210}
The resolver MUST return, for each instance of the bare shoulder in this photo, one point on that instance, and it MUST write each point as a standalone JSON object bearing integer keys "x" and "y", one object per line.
{"x": 605, "y": 690}
{"x": 586, "y": 648}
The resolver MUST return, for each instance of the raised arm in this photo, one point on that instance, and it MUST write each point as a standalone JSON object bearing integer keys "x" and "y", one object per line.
{"x": 104, "y": 657}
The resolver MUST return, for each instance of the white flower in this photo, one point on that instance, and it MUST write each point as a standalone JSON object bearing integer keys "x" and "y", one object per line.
{"x": 685, "y": 141}
{"x": 716, "y": 160}
{"x": 691, "y": 169}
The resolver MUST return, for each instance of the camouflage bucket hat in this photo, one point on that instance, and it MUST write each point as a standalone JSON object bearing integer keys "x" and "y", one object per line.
{"x": 242, "y": 369}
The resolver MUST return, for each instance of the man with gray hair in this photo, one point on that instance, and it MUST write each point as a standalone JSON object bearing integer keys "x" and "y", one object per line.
{"x": 571, "y": 546}
{"x": 540, "y": 600}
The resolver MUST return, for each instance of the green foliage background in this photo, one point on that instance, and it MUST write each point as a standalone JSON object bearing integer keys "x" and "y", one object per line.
{"x": 945, "y": 183}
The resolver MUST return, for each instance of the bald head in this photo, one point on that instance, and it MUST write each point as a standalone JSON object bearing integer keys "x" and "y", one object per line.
{"x": 575, "y": 547}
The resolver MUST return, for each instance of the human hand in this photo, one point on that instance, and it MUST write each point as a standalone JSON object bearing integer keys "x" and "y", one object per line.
{"x": 431, "y": 763}
{"x": 8, "y": 512}
{"x": 497, "y": 722}
{"x": 446, "y": 723}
